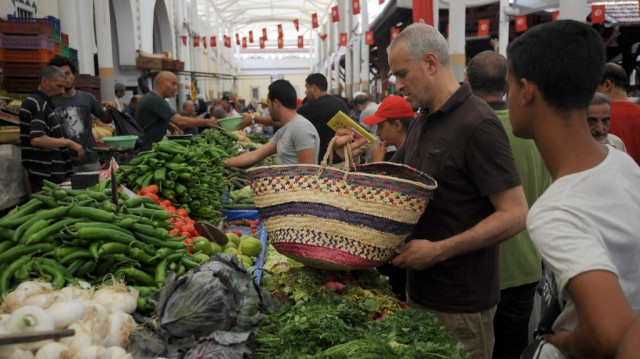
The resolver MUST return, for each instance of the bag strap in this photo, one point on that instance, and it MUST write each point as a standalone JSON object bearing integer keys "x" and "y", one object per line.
{"x": 349, "y": 163}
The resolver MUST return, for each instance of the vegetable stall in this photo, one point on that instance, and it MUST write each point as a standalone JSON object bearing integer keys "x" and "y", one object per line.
{"x": 134, "y": 279}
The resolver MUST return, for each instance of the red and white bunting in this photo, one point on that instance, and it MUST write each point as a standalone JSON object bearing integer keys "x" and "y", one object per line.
{"x": 483, "y": 27}
{"x": 227, "y": 41}
{"x": 314, "y": 20}
{"x": 196, "y": 41}
{"x": 264, "y": 33}
{"x": 335, "y": 15}
{"x": 368, "y": 38}
{"x": 184, "y": 40}
{"x": 244, "y": 42}
{"x": 237, "y": 39}
{"x": 394, "y": 32}
{"x": 343, "y": 39}
{"x": 296, "y": 24}
{"x": 212, "y": 41}
{"x": 280, "y": 30}
{"x": 280, "y": 42}
{"x": 355, "y": 5}
{"x": 300, "y": 41}
{"x": 323, "y": 37}
{"x": 204, "y": 41}
{"x": 423, "y": 11}
{"x": 261, "y": 42}
{"x": 380, "y": 2}
{"x": 251, "y": 36}
{"x": 521, "y": 23}
{"x": 597, "y": 14}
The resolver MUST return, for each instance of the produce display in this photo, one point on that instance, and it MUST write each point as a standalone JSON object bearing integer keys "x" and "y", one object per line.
{"x": 211, "y": 312}
{"x": 65, "y": 236}
{"x": 101, "y": 320}
{"x": 188, "y": 172}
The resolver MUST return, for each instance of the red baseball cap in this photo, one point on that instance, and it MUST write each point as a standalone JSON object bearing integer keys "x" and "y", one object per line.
{"x": 391, "y": 107}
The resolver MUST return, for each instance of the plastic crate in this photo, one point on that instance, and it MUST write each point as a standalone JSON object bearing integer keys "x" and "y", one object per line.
{"x": 73, "y": 53}
{"x": 65, "y": 51}
{"x": 26, "y": 26}
{"x": 168, "y": 65}
{"x": 180, "y": 65}
{"x": 21, "y": 70}
{"x": 18, "y": 84}
{"x": 57, "y": 48}
{"x": 87, "y": 81}
{"x": 56, "y": 36}
{"x": 95, "y": 82}
{"x": 55, "y": 21}
{"x": 34, "y": 56}
{"x": 26, "y": 42}
{"x": 64, "y": 39}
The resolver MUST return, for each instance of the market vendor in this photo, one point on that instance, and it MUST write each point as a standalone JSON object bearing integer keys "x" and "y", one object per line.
{"x": 452, "y": 262}
{"x": 154, "y": 114}
{"x": 45, "y": 151}
{"x": 297, "y": 142}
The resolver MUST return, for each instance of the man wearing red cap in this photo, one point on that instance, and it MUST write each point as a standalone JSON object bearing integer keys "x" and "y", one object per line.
{"x": 392, "y": 119}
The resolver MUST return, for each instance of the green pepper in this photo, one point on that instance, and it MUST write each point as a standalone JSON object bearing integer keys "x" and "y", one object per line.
{"x": 8, "y": 272}
{"x": 159, "y": 175}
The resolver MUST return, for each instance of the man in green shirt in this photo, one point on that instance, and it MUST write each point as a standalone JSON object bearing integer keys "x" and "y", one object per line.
{"x": 154, "y": 114}
{"x": 519, "y": 262}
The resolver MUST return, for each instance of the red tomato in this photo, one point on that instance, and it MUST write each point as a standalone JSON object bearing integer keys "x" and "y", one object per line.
{"x": 174, "y": 232}
{"x": 238, "y": 232}
{"x": 152, "y": 189}
{"x": 188, "y": 227}
{"x": 165, "y": 202}
{"x": 182, "y": 213}
{"x": 152, "y": 196}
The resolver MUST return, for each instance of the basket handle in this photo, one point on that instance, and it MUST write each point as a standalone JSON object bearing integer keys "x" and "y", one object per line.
{"x": 349, "y": 163}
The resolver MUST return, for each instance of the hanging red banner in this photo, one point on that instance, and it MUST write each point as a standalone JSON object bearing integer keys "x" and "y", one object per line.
{"x": 184, "y": 40}
{"x": 483, "y": 27}
{"x": 554, "y": 15}
{"x": 521, "y": 23}
{"x": 323, "y": 36}
{"x": 196, "y": 41}
{"x": 423, "y": 11}
{"x": 237, "y": 39}
{"x": 244, "y": 42}
{"x": 380, "y": 2}
{"x": 251, "y": 36}
{"x": 296, "y": 24}
{"x": 335, "y": 15}
{"x": 314, "y": 20}
{"x": 227, "y": 41}
{"x": 300, "y": 41}
{"x": 264, "y": 33}
{"x": 279, "y": 30}
{"x": 280, "y": 43}
{"x": 368, "y": 38}
{"x": 597, "y": 14}
{"x": 355, "y": 4}
{"x": 212, "y": 41}
{"x": 343, "y": 39}
{"x": 204, "y": 41}
{"x": 262, "y": 42}
{"x": 394, "y": 32}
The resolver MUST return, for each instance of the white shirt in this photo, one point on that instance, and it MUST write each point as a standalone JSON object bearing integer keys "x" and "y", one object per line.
{"x": 590, "y": 221}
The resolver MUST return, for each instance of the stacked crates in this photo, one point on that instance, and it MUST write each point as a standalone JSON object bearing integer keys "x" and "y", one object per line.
{"x": 26, "y": 45}
{"x": 89, "y": 84}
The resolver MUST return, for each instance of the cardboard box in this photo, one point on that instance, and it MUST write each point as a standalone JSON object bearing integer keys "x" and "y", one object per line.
{"x": 149, "y": 61}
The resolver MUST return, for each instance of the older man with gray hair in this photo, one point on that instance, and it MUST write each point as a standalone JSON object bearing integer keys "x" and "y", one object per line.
{"x": 45, "y": 151}
{"x": 599, "y": 119}
{"x": 119, "y": 91}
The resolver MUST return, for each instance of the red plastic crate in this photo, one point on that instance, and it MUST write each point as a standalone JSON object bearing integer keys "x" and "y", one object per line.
{"x": 95, "y": 82}
{"x": 17, "y": 84}
{"x": 65, "y": 39}
{"x": 21, "y": 70}
{"x": 26, "y": 42}
{"x": 180, "y": 65}
{"x": 37, "y": 56}
{"x": 82, "y": 81}
{"x": 57, "y": 49}
{"x": 27, "y": 27}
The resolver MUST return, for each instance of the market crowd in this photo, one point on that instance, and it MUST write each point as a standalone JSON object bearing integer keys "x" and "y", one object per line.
{"x": 537, "y": 194}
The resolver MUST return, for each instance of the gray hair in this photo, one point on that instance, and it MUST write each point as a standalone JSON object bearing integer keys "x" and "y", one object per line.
{"x": 421, "y": 39}
{"x": 119, "y": 87}
{"x": 51, "y": 73}
{"x": 599, "y": 98}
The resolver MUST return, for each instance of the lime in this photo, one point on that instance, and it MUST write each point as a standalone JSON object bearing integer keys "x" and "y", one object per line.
{"x": 230, "y": 245}
{"x": 201, "y": 257}
{"x": 201, "y": 245}
{"x": 250, "y": 246}
{"x": 231, "y": 251}
{"x": 216, "y": 248}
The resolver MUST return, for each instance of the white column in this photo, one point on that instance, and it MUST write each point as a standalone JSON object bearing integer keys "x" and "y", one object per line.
{"x": 457, "y": 37}
{"x": 503, "y": 29}
{"x": 573, "y": 10}
{"x": 330, "y": 51}
{"x": 348, "y": 65}
{"x": 178, "y": 18}
{"x": 336, "y": 59}
{"x": 355, "y": 50}
{"x": 436, "y": 13}
{"x": 364, "y": 49}
{"x": 105, "y": 50}
{"x": 146, "y": 25}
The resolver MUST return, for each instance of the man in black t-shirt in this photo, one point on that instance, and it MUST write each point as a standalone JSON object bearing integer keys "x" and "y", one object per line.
{"x": 320, "y": 108}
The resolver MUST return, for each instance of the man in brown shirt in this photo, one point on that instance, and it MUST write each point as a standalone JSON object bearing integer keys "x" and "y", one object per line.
{"x": 453, "y": 261}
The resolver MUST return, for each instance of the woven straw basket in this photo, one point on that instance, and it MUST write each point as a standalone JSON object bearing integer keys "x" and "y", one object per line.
{"x": 339, "y": 219}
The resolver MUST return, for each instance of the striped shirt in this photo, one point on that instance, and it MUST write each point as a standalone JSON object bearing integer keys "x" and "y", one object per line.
{"x": 38, "y": 118}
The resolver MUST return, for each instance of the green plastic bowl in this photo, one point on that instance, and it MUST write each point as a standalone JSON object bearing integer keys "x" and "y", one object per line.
{"x": 120, "y": 141}
{"x": 230, "y": 123}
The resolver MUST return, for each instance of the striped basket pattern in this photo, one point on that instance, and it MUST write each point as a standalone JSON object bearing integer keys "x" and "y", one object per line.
{"x": 340, "y": 219}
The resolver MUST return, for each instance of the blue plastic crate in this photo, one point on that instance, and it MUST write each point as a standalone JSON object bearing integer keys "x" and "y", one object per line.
{"x": 55, "y": 21}
{"x": 250, "y": 214}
